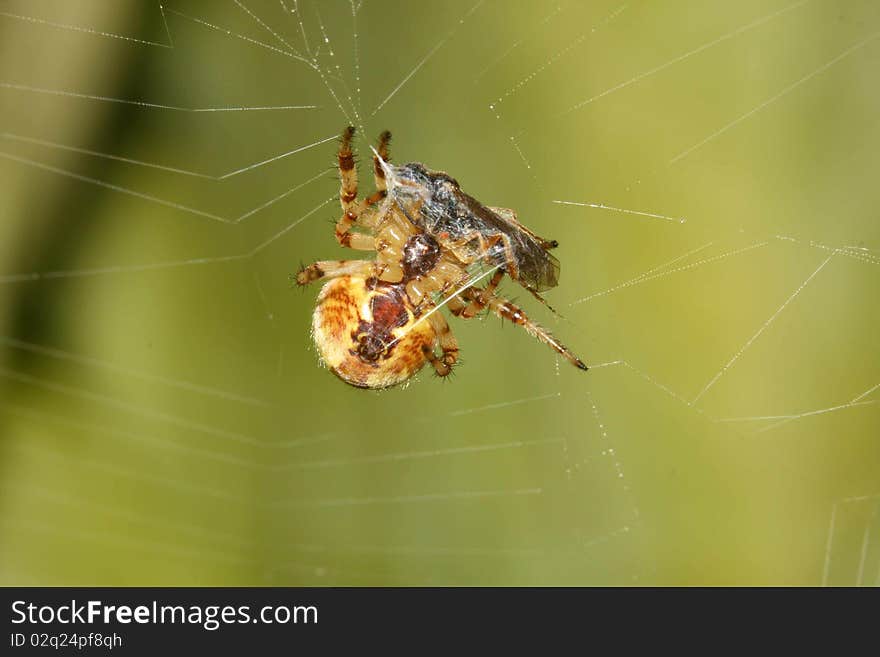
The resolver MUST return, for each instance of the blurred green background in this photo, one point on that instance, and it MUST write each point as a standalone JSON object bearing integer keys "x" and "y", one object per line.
{"x": 164, "y": 419}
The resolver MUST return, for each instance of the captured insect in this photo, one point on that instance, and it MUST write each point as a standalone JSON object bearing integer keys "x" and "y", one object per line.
{"x": 377, "y": 322}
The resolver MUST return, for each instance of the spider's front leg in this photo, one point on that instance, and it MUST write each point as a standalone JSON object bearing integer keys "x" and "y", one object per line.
{"x": 348, "y": 191}
{"x": 476, "y": 304}
{"x": 507, "y": 310}
{"x": 378, "y": 171}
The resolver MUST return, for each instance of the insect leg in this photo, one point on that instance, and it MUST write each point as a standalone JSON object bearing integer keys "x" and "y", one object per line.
{"x": 487, "y": 249}
{"x": 511, "y": 265}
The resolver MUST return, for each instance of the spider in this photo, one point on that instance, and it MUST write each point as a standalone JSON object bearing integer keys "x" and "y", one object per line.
{"x": 376, "y": 322}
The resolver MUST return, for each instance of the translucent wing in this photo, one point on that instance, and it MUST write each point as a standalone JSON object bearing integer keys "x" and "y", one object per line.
{"x": 510, "y": 217}
{"x": 507, "y": 214}
{"x": 539, "y": 270}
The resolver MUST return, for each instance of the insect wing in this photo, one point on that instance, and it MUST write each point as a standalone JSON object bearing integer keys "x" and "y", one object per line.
{"x": 509, "y": 216}
{"x": 537, "y": 270}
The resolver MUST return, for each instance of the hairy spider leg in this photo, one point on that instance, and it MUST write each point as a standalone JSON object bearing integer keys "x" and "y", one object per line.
{"x": 348, "y": 191}
{"x": 378, "y": 171}
{"x": 475, "y": 306}
{"x": 444, "y": 363}
{"x": 507, "y": 310}
{"x": 324, "y": 269}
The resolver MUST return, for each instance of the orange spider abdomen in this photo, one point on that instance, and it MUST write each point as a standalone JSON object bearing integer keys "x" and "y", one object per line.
{"x": 368, "y": 334}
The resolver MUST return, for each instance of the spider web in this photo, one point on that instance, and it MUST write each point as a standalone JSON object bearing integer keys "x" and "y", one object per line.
{"x": 708, "y": 169}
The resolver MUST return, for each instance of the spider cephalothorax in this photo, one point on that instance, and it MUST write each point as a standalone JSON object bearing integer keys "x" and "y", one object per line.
{"x": 377, "y": 322}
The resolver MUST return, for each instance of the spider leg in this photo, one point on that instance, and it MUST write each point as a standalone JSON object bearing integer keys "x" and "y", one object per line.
{"x": 348, "y": 190}
{"x": 456, "y": 305}
{"x": 506, "y": 310}
{"x": 324, "y": 269}
{"x": 378, "y": 171}
{"x": 476, "y": 305}
{"x": 444, "y": 363}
